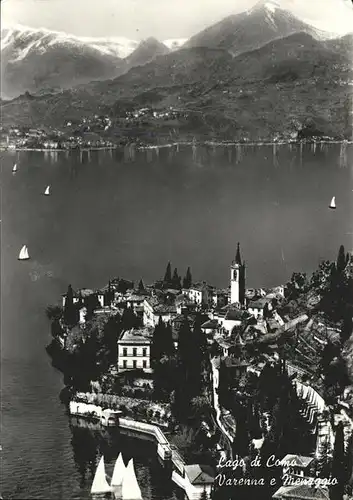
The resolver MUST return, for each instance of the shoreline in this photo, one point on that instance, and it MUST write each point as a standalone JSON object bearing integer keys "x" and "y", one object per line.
{"x": 182, "y": 143}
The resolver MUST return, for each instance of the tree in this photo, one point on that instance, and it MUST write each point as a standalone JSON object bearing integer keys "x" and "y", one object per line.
{"x": 320, "y": 279}
{"x": 187, "y": 281}
{"x": 91, "y": 303}
{"x": 54, "y": 313}
{"x": 342, "y": 260}
{"x": 70, "y": 310}
{"x": 158, "y": 346}
{"x": 339, "y": 465}
{"x": 109, "y": 295}
{"x": 350, "y": 464}
{"x": 297, "y": 286}
{"x": 164, "y": 378}
{"x": 129, "y": 319}
{"x": 141, "y": 287}
{"x": 347, "y": 325}
{"x": 176, "y": 281}
{"x": 168, "y": 275}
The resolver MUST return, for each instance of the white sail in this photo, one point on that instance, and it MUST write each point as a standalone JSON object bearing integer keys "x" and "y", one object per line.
{"x": 14, "y": 168}
{"x": 130, "y": 489}
{"x": 333, "y": 202}
{"x": 23, "y": 253}
{"x": 119, "y": 471}
{"x": 47, "y": 191}
{"x": 100, "y": 484}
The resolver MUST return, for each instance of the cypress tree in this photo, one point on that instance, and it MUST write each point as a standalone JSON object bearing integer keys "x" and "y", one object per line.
{"x": 70, "y": 310}
{"x": 339, "y": 465}
{"x": 109, "y": 295}
{"x": 168, "y": 343}
{"x": 184, "y": 342}
{"x": 168, "y": 275}
{"x": 187, "y": 281}
{"x": 162, "y": 342}
{"x": 176, "y": 282}
{"x": 350, "y": 463}
{"x": 347, "y": 325}
{"x": 141, "y": 287}
{"x": 129, "y": 319}
{"x": 341, "y": 260}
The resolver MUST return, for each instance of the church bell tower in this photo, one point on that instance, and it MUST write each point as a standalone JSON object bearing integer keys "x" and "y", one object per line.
{"x": 237, "y": 280}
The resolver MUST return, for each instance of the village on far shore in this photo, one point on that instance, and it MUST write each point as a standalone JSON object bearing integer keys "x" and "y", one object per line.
{"x": 220, "y": 374}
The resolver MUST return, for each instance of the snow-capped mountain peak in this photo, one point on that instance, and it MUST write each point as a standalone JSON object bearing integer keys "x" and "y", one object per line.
{"x": 27, "y": 39}
{"x": 271, "y": 6}
{"x": 40, "y": 38}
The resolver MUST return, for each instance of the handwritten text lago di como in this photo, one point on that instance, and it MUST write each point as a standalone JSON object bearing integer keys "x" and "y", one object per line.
{"x": 287, "y": 480}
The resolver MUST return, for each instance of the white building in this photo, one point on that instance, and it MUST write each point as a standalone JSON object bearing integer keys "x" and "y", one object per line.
{"x": 237, "y": 280}
{"x": 197, "y": 293}
{"x": 257, "y": 307}
{"x": 153, "y": 310}
{"x": 134, "y": 349}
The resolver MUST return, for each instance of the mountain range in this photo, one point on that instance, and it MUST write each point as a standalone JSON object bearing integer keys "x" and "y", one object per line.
{"x": 252, "y": 73}
{"x": 36, "y": 59}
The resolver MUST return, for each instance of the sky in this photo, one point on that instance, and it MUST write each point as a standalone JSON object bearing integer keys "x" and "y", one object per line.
{"x": 139, "y": 19}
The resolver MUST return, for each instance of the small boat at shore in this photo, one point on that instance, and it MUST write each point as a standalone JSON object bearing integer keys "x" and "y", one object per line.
{"x": 47, "y": 191}
{"x": 130, "y": 489}
{"x": 100, "y": 484}
{"x": 24, "y": 255}
{"x": 333, "y": 203}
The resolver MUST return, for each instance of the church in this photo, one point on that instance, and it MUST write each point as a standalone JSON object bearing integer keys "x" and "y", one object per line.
{"x": 237, "y": 280}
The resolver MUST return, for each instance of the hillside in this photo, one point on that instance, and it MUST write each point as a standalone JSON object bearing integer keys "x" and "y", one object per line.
{"x": 36, "y": 60}
{"x": 146, "y": 51}
{"x": 251, "y": 29}
{"x": 281, "y": 87}
{"x": 32, "y": 60}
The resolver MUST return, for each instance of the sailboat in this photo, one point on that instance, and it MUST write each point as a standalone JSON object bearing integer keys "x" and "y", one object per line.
{"x": 333, "y": 203}
{"x": 130, "y": 489}
{"x": 14, "y": 168}
{"x": 118, "y": 475}
{"x": 47, "y": 191}
{"x": 23, "y": 253}
{"x": 119, "y": 471}
{"x": 100, "y": 484}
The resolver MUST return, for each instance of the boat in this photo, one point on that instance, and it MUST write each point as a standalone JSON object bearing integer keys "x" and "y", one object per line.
{"x": 24, "y": 255}
{"x": 130, "y": 489}
{"x": 118, "y": 475}
{"x": 47, "y": 191}
{"x": 100, "y": 484}
{"x": 333, "y": 203}
{"x": 14, "y": 168}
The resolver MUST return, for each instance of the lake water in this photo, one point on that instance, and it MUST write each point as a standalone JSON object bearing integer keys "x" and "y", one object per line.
{"x": 127, "y": 213}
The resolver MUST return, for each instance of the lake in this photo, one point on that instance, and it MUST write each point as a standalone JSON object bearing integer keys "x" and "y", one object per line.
{"x": 127, "y": 213}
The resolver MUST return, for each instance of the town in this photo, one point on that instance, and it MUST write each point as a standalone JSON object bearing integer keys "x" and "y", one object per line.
{"x": 131, "y": 125}
{"x": 236, "y": 378}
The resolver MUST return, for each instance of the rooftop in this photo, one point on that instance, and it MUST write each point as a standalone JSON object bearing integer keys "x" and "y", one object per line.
{"x": 297, "y": 460}
{"x": 199, "y": 474}
{"x": 212, "y": 323}
{"x": 136, "y": 335}
{"x": 259, "y": 303}
{"x": 231, "y": 362}
{"x": 302, "y": 492}
{"x": 236, "y": 314}
{"x": 164, "y": 309}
